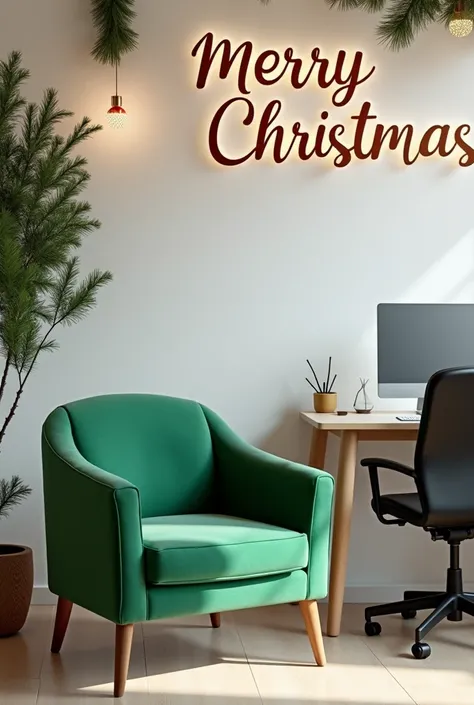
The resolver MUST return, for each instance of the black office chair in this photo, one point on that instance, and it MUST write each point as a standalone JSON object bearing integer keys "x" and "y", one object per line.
{"x": 443, "y": 503}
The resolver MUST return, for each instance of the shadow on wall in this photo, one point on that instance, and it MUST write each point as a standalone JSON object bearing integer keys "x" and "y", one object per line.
{"x": 288, "y": 438}
{"x": 448, "y": 280}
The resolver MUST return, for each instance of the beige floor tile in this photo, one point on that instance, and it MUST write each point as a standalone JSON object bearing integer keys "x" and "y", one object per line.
{"x": 21, "y": 655}
{"x": 282, "y": 663}
{"x": 257, "y": 656}
{"x": 189, "y": 662}
{"x": 83, "y": 672}
{"x": 15, "y": 691}
{"x": 446, "y": 677}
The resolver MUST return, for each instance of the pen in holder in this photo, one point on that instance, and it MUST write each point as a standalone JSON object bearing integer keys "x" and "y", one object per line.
{"x": 324, "y": 399}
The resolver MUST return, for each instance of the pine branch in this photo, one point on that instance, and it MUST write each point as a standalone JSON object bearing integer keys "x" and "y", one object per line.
{"x": 12, "y": 75}
{"x": 63, "y": 288}
{"x": 113, "y": 22}
{"x": 11, "y": 413}
{"x": 84, "y": 298}
{"x": 12, "y": 493}
{"x": 372, "y": 5}
{"x": 42, "y": 222}
{"x": 71, "y": 307}
{"x": 6, "y": 369}
{"x": 404, "y": 19}
{"x": 344, "y": 4}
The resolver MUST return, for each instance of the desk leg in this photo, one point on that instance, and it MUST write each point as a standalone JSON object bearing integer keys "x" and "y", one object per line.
{"x": 342, "y": 529}
{"x": 317, "y": 454}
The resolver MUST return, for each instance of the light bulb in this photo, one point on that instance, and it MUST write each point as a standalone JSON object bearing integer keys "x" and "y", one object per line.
{"x": 461, "y": 24}
{"x": 117, "y": 116}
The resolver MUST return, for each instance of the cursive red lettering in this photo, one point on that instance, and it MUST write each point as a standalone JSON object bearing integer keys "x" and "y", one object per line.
{"x": 467, "y": 159}
{"x": 344, "y": 157}
{"x": 396, "y": 134}
{"x": 361, "y": 120}
{"x": 296, "y": 80}
{"x": 303, "y": 138}
{"x": 214, "y": 147}
{"x": 440, "y": 147}
{"x": 264, "y": 136}
{"x": 319, "y": 150}
{"x": 227, "y": 60}
{"x": 261, "y": 70}
{"x": 350, "y": 83}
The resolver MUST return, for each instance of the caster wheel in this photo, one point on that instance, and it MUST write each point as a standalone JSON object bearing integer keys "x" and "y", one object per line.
{"x": 421, "y": 651}
{"x": 373, "y": 628}
{"x": 409, "y": 614}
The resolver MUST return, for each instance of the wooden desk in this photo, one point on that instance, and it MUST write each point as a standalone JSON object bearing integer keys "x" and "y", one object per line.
{"x": 377, "y": 426}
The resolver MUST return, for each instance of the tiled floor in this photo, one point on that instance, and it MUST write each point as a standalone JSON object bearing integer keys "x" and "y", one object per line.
{"x": 258, "y": 656}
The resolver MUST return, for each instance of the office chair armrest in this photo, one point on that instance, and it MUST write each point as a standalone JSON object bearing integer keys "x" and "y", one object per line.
{"x": 374, "y": 464}
{"x": 387, "y": 465}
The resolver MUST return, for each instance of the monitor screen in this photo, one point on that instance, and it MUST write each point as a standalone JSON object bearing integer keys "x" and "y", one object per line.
{"x": 417, "y": 340}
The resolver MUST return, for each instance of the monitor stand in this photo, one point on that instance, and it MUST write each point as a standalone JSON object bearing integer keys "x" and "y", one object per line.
{"x": 419, "y": 405}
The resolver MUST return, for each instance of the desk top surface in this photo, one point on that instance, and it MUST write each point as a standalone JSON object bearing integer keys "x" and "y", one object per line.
{"x": 375, "y": 421}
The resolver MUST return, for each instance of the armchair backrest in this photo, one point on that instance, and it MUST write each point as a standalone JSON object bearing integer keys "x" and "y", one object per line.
{"x": 160, "y": 444}
{"x": 444, "y": 457}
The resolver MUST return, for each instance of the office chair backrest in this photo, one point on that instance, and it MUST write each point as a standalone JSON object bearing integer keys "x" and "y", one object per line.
{"x": 444, "y": 457}
{"x": 160, "y": 444}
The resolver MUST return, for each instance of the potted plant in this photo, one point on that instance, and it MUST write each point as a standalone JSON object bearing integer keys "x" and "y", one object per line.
{"x": 324, "y": 398}
{"x": 16, "y": 565}
{"x": 42, "y": 225}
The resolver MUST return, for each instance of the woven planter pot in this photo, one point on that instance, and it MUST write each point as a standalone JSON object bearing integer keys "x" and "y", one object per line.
{"x": 16, "y": 587}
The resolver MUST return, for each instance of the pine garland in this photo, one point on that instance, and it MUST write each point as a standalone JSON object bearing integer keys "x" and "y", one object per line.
{"x": 113, "y": 21}
{"x": 402, "y": 20}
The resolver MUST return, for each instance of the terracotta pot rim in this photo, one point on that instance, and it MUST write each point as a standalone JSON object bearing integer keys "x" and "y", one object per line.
{"x": 19, "y": 550}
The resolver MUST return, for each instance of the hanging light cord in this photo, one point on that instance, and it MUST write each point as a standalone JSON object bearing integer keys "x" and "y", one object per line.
{"x": 116, "y": 78}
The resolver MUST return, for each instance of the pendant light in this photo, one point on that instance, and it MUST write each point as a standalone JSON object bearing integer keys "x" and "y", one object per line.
{"x": 461, "y": 22}
{"x": 116, "y": 115}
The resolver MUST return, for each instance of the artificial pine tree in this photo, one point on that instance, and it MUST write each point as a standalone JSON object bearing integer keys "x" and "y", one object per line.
{"x": 42, "y": 225}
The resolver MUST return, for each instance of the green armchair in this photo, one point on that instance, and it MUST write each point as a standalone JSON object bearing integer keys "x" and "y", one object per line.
{"x": 155, "y": 508}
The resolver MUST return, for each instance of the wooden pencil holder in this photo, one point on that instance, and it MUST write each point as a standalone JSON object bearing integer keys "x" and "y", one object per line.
{"x": 325, "y": 403}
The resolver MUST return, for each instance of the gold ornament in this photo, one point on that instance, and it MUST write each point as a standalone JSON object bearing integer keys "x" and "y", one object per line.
{"x": 461, "y": 22}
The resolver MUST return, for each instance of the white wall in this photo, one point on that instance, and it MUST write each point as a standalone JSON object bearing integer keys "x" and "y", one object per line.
{"x": 226, "y": 280}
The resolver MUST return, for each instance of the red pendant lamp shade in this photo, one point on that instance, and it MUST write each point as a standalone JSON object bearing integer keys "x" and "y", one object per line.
{"x": 116, "y": 115}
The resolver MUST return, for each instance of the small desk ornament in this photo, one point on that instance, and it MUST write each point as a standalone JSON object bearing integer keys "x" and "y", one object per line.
{"x": 362, "y": 401}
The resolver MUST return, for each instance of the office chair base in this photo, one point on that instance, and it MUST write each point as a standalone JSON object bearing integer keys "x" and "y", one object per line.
{"x": 421, "y": 651}
{"x": 450, "y": 605}
{"x": 445, "y": 605}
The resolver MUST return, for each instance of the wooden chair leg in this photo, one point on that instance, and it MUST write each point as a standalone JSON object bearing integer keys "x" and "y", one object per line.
{"x": 63, "y": 613}
{"x": 123, "y": 648}
{"x": 216, "y": 620}
{"x": 309, "y": 609}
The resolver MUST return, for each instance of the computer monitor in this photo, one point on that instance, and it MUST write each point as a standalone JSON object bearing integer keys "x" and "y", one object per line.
{"x": 416, "y": 340}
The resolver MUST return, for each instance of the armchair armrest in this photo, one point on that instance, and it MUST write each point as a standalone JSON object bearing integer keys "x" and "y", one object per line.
{"x": 93, "y": 530}
{"x": 262, "y": 487}
{"x": 374, "y": 464}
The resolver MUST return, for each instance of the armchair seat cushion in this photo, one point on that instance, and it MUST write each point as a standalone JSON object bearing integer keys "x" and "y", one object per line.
{"x": 201, "y": 548}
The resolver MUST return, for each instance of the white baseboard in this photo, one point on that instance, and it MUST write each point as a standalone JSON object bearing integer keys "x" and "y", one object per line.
{"x": 42, "y": 596}
{"x": 361, "y": 594}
